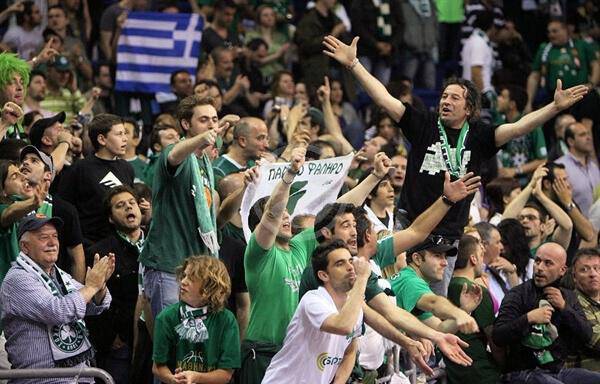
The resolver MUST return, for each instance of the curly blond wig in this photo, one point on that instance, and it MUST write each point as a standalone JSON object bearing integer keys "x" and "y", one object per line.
{"x": 214, "y": 278}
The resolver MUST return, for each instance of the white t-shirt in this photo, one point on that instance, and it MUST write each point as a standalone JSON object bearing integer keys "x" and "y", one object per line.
{"x": 477, "y": 51}
{"x": 27, "y": 43}
{"x": 309, "y": 355}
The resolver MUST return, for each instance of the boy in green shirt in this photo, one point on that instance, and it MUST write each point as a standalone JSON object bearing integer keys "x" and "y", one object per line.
{"x": 197, "y": 340}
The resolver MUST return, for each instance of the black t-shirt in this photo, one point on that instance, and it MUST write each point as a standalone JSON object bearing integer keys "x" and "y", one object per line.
{"x": 426, "y": 166}
{"x": 232, "y": 255}
{"x": 69, "y": 234}
{"x": 211, "y": 39}
{"x": 85, "y": 187}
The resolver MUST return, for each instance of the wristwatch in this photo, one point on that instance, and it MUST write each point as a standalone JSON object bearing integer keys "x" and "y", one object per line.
{"x": 447, "y": 201}
{"x": 570, "y": 207}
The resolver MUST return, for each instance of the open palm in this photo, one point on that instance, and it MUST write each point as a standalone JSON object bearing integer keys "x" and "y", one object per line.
{"x": 564, "y": 98}
{"x": 343, "y": 53}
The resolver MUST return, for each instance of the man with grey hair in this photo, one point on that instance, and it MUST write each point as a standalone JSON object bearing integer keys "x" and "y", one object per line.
{"x": 40, "y": 301}
{"x": 250, "y": 141}
{"x": 501, "y": 274}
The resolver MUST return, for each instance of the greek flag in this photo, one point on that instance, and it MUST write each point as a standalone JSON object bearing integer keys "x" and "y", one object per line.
{"x": 152, "y": 46}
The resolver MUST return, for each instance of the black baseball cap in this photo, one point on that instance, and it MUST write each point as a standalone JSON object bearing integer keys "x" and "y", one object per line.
{"x": 36, "y": 221}
{"x": 47, "y": 160}
{"x": 435, "y": 243}
{"x": 37, "y": 130}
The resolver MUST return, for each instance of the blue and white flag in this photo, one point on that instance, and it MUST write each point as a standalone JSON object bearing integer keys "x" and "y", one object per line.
{"x": 152, "y": 46}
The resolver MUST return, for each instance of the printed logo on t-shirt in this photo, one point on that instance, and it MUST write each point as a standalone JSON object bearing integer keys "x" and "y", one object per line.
{"x": 110, "y": 180}
{"x": 293, "y": 280}
{"x": 323, "y": 359}
{"x": 433, "y": 162}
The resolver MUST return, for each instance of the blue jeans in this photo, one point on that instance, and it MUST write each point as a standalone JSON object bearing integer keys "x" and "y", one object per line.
{"x": 161, "y": 288}
{"x": 542, "y": 376}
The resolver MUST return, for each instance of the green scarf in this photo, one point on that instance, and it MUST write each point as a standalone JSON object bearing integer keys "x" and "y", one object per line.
{"x": 191, "y": 327}
{"x": 540, "y": 337}
{"x": 69, "y": 343}
{"x": 454, "y": 163}
{"x": 207, "y": 216}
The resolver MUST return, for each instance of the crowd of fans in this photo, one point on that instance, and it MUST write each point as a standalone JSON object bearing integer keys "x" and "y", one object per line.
{"x": 465, "y": 234}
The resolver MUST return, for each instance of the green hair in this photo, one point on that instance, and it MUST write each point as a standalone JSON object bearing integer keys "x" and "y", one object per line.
{"x": 10, "y": 64}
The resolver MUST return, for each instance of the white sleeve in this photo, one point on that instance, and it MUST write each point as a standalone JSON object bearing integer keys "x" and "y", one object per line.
{"x": 316, "y": 309}
{"x": 478, "y": 52}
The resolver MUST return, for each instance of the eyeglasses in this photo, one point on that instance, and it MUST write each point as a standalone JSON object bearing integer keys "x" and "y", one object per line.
{"x": 528, "y": 217}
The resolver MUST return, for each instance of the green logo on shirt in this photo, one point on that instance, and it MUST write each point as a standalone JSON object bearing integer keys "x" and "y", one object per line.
{"x": 324, "y": 359}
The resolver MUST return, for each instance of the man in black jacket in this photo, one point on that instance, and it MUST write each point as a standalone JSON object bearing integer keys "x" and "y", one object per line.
{"x": 540, "y": 322}
{"x": 112, "y": 332}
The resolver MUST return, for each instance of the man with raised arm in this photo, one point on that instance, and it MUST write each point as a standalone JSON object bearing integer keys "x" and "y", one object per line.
{"x": 453, "y": 139}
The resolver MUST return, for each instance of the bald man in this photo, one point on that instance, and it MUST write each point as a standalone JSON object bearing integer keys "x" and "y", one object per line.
{"x": 540, "y": 323}
{"x": 250, "y": 142}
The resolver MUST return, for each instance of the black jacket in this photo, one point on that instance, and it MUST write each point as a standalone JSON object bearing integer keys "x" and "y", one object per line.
{"x": 123, "y": 287}
{"x": 511, "y": 326}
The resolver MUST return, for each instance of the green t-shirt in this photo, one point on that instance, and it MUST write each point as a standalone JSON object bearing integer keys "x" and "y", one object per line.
{"x": 408, "y": 288}
{"x": 151, "y": 170}
{"x": 9, "y": 245}
{"x": 483, "y": 370}
{"x": 224, "y": 165}
{"x": 450, "y": 11}
{"x": 173, "y": 234}
{"x": 139, "y": 169}
{"x": 232, "y": 231}
{"x": 220, "y": 351}
{"x": 273, "y": 279}
{"x": 385, "y": 252}
{"x": 561, "y": 62}
{"x": 524, "y": 149}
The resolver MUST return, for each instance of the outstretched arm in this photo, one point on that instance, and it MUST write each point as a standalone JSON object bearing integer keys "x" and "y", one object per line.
{"x": 428, "y": 220}
{"x": 563, "y": 99}
{"x": 358, "y": 194}
{"x": 267, "y": 229}
{"x": 346, "y": 55}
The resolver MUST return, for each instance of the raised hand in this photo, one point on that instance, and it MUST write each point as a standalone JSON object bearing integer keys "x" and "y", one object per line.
{"x": 539, "y": 173}
{"x": 343, "y": 53}
{"x": 251, "y": 175}
{"x": 362, "y": 268}
{"x": 47, "y": 53}
{"x": 461, "y": 188}
{"x": 297, "y": 158}
{"x": 381, "y": 165}
{"x": 96, "y": 276}
{"x": 563, "y": 191}
{"x": 564, "y": 98}
{"x": 11, "y": 113}
{"x": 324, "y": 91}
{"x": 451, "y": 346}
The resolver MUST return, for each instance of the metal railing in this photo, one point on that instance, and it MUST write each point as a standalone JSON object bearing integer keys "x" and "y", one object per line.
{"x": 56, "y": 373}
